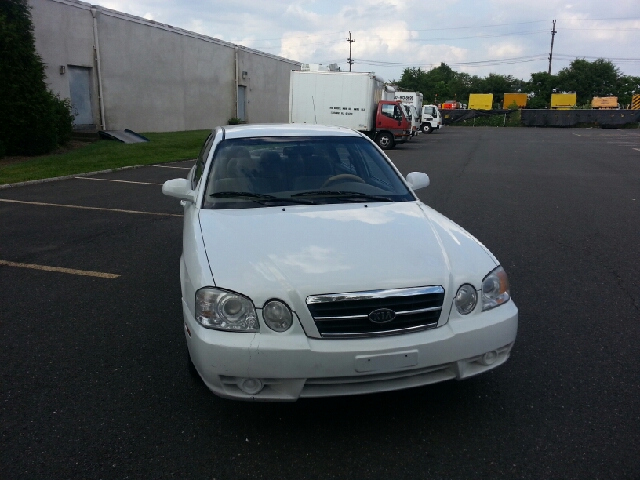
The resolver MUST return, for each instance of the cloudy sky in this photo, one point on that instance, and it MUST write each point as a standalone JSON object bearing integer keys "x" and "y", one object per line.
{"x": 475, "y": 36}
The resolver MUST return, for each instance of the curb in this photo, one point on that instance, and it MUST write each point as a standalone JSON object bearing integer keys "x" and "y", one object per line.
{"x": 86, "y": 174}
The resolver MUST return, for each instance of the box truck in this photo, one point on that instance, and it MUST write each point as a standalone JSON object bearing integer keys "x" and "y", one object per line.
{"x": 431, "y": 119}
{"x": 347, "y": 99}
{"x": 481, "y": 101}
{"x": 605, "y": 103}
{"x": 563, "y": 101}
{"x": 414, "y": 101}
{"x": 520, "y": 99}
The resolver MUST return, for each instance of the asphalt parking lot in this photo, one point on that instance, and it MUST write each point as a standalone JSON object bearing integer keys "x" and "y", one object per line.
{"x": 92, "y": 354}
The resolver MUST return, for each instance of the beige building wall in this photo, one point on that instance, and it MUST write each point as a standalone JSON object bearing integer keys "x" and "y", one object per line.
{"x": 155, "y": 77}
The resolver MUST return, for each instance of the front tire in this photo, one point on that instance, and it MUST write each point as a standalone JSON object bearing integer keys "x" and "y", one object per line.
{"x": 427, "y": 128}
{"x": 385, "y": 141}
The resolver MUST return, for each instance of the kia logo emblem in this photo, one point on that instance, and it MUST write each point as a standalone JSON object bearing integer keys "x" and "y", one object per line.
{"x": 382, "y": 315}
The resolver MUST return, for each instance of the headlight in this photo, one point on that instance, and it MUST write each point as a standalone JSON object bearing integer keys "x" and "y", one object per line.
{"x": 222, "y": 310}
{"x": 495, "y": 289}
{"x": 466, "y": 299}
{"x": 277, "y": 316}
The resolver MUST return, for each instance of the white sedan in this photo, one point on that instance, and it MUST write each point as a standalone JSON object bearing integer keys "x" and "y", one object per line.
{"x": 311, "y": 269}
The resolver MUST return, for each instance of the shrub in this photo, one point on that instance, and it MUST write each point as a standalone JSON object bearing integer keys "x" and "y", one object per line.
{"x": 1, "y": 149}
{"x": 513, "y": 106}
{"x": 234, "y": 121}
{"x": 63, "y": 118}
{"x": 33, "y": 121}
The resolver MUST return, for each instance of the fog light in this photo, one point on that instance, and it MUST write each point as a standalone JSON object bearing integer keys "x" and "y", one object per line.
{"x": 250, "y": 386}
{"x": 489, "y": 358}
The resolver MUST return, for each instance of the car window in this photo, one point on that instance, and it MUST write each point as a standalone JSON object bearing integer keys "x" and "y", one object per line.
{"x": 290, "y": 168}
{"x": 201, "y": 160}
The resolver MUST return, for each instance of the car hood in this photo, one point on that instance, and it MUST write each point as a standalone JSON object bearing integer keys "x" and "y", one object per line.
{"x": 295, "y": 251}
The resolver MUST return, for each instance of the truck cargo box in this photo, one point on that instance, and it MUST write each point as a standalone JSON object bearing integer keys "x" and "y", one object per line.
{"x": 606, "y": 103}
{"x": 519, "y": 98}
{"x": 342, "y": 99}
{"x": 414, "y": 101}
{"x": 563, "y": 101}
{"x": 481, "y": 101}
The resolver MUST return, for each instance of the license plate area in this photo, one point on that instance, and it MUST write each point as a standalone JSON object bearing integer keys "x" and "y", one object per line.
{"x": 386, "y": 362}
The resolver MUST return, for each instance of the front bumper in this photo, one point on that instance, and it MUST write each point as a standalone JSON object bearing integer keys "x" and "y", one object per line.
{"x": 292, "y": 365}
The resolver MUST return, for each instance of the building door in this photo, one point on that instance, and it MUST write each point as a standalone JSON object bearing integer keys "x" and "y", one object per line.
{"x": 242, "y": 101}
{"x": 80, "y": 89}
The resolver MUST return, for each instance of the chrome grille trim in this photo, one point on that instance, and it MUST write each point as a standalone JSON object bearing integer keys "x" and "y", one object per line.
{"x": 347, "y": 315}
{"x": 373, "y": 294}
{"x": 355, "y": 317}
{"x": 385, "y": 333}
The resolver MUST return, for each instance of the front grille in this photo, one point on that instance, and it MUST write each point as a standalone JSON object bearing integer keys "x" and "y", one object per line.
{"x": 346, "y": 315}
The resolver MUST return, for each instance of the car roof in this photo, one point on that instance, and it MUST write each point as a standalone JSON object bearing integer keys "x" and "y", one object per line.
{"x": 286, "y": 130}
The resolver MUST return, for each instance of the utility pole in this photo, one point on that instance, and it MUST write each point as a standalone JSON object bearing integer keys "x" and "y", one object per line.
{"x": 553, "y": 34}
{"x": 350, "y": 60}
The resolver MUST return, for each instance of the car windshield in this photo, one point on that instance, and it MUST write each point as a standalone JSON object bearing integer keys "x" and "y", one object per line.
{"x": 270, "y": 171}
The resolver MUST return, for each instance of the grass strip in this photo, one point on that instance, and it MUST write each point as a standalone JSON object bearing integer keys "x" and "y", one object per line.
{"x": 106, "y": 154}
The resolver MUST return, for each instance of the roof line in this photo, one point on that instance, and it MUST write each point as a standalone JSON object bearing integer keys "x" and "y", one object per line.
{"x": 169, "y": 28}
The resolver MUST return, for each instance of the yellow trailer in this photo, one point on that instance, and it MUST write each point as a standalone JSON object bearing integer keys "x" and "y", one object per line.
{"x": 481, "y": 101}
{"x": 563, "y": 101}
{"x": 635, "y": 102}
{"x": 605, "y": 103}
{"x": 519, "y": 98}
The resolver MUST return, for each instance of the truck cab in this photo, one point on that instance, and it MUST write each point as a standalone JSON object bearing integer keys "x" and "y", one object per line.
{"x": 392, "y": 125}
{"x": 431, "y": 119}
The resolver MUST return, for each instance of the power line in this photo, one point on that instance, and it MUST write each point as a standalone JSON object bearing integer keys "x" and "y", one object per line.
{"x": 532, "y": 32}
{"x": 425, "y": 40}
{"x": 613, "y": 59}
{"x": 607, "y": 29}
{"x": 473, "y": 26}
{"x": 479, "y": 63}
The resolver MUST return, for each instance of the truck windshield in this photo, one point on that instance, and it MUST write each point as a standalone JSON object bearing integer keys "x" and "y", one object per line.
{"x": 429, "y": 111}
{"x": 270, "y": 171}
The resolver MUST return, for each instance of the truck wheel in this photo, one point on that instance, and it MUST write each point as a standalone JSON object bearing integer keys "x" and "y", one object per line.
{"x": 385, "y": 141}
{"x": 427, "y": 128}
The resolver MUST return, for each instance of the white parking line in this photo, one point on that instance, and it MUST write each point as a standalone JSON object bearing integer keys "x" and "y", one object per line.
{"x": 637, "y": 149}
{"x": 71, "y": 271}
{"x": 119, "y": 210}
{"x": 118, "y": 181}
{"x": 167, "y": 166}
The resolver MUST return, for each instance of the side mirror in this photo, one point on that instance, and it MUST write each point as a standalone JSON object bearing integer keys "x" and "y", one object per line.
{"x": 179, "y": 188}
{"x": 417, "y": 180}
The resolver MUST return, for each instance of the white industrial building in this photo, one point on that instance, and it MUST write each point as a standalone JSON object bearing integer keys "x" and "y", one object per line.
{"x": 122, "y": 71}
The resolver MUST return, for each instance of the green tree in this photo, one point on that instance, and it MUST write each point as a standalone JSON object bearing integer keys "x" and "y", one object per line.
{"x": 498, "y": 85}
{"x": 412, "y": 80}
{"x": 589, "y": 79}
{"x": 540, "y": 88}
{"x": 626, "y": 87}
{"x": 33, "y": 120}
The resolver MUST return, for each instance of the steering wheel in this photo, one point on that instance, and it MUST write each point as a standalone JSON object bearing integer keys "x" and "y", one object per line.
{"x": 343, "y": 177}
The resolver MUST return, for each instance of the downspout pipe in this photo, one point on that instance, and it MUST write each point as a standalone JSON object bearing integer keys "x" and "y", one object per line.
{"x": 237, "y": 81}
{"x": 96, "y": 42}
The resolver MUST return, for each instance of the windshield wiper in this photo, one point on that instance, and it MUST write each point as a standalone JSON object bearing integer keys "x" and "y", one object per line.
{"x": 260, "y": 197}
{"x": 357, "y": 196}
